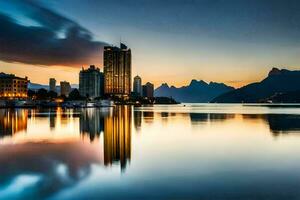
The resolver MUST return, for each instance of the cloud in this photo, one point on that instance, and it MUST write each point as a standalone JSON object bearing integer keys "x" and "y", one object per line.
{"x": 56, "y": 40}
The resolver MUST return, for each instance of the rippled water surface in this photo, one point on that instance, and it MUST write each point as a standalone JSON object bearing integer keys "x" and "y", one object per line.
{"x": 187, "y": 151}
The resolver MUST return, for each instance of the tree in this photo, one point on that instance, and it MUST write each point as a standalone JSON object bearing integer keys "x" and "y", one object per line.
{"x": 42, "y": 94}
{"x": 31, "y": 93}
{"x": 75, "y": 95}
{"x": 52, "y": 94}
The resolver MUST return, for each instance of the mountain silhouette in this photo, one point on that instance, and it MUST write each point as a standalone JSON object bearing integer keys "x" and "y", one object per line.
{"x": 37, "y": 86}
{"x": 278, "y": 83}
{"x": 195, "y": 92}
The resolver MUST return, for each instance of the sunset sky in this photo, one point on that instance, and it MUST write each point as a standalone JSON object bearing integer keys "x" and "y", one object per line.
{"x": 173, "y": 41}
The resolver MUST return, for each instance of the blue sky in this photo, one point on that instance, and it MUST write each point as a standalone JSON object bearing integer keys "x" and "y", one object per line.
{"x": 174, "y": 41}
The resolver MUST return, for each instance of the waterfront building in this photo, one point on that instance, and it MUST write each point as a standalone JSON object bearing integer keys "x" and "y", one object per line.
{"x": 52, "y": 84}
{"x": 137, "y": 86}
{"x": 65, "y": 88}
{"x": 13, "y": 87}
{"x": 117, "y": 70}
{"x": 91, "y": 82}
{"x": 148, "y": 90}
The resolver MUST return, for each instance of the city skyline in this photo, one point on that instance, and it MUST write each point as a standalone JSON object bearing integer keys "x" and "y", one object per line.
{"x": 215, "y": 41}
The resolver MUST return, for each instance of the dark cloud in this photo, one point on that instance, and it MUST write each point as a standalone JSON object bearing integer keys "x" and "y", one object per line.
{"x": 41, "y": 44}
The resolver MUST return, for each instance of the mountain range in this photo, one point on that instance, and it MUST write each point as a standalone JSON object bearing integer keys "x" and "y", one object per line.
{"x": 37, "y": 86}
{"x": 195, "y": 92}
{"x": 281, "y": 86}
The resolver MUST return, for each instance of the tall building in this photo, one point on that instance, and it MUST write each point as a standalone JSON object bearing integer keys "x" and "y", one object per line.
{"x": 117, "y": 70}
{"x": 65, "y": 88}
{"x": 52, "y": 84}
{"x": 148, "y": 90}
{"x": 91, "y": 82}
{"x": 137, "y": 86}
{"x": 13, "y": 87}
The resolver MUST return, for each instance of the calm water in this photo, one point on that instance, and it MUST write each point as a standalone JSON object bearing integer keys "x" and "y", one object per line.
{"x": 196, "y": 151}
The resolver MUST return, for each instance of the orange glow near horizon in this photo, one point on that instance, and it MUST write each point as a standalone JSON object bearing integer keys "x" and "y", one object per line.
{"x": 41, "y": 75}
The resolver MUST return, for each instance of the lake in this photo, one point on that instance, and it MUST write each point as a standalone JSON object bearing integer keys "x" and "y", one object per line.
{"x": 185, "y": 151}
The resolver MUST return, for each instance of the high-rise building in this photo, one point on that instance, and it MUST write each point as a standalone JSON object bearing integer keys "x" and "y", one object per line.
{"x": 52, "y": 84}
{"x": 117, "y": 70}
{"x": 13, "y": 87}
{"x": 137, "y": 86}
{"x": 91, "y": 82}
{"x": 148, "y": 90}
{"x": 65, "y": 88}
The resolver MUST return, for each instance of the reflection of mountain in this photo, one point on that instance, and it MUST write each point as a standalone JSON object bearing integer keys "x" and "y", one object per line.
{"x": 12, "y": 121}
{"x": 283, "y": 123}
{"x": 278, "y": 123}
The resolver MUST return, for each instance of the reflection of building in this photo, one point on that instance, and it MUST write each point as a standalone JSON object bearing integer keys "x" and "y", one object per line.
{"x": 148, "y": 90}
{"x": 117, "y": 136}
{"x": 52, "y": 120}
{"x": 65, "y": 88}
{"x": 91, "y": 123}
{"x": 117, "y": 70}
{"x": 137, "y": 86}
{"x": 148, "y": 116}
{"x": 52, "y": 84}
{"x": 12, "y": 86}
{"x": 12, "y": 121}
{"x": 205, "y": 117}
{"x": 91, "y": 82}
{"x": 137, "y": 119}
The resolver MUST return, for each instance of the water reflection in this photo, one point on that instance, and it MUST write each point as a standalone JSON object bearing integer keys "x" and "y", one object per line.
{"x": 56, "y": 150}
{"x": 205, "y": 117}
{"x": 137, "y": 120}
{"x": 12, "y": 121}
{"x": 117, "y": 137}
{"x": 278, "y": 123}
{"x": 92, "y": 123}
{"x": 57, "y": 165}
{"x": 59, "y": 157}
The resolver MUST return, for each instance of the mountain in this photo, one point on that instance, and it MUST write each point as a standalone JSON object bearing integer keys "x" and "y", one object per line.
{"x": 36, "y": 86}
{"x": 195, "y": 92}
{"x": 277, "y": 82}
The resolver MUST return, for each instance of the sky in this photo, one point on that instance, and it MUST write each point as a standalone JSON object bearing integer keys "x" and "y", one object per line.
{"x": 172, "y": 41}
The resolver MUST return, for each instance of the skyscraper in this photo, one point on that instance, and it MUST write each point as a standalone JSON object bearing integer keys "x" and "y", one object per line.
{"x": 117, "y": 70}
{"x": 52, "y": 84}
{"x": 148, "y": 90}
{"x": 137, "y": 85}
{"x": 65, "y": 88}
{"x": 91, "y": 82}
